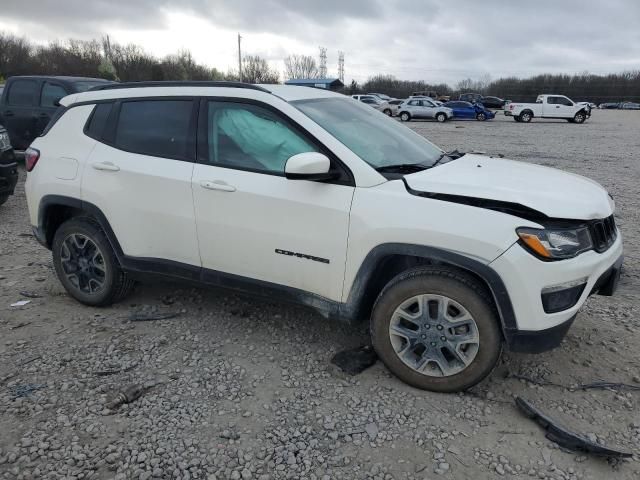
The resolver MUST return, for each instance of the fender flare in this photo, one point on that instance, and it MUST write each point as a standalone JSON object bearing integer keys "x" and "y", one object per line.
{"x": 352, "y": 307}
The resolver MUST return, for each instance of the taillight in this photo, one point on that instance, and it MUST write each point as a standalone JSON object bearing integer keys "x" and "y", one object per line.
{"x": 31, "y": 157}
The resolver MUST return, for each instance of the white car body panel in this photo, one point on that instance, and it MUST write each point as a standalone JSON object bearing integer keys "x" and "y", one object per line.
{"x": 241, "y": 231}
{"x": 148, "y": 202}
{"x": 535, "y": 186}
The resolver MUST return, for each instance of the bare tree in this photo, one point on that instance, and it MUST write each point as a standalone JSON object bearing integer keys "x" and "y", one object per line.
{"x": 300, "y": 66}
{"x": 256, "y": 70}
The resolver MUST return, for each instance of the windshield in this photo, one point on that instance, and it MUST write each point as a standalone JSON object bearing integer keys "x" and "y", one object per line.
{"x": 377, "y": 139}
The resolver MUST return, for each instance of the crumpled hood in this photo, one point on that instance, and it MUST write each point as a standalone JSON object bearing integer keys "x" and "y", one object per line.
{"x": 555, "y": 193}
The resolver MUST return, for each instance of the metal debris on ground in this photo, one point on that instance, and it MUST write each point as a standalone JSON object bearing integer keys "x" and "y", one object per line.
{"x": 147, "y": 316}
{"x": 20, "y": 303}
{"x": 127, "y": 395}
{"x": 21, "y": 391}
{"x": 564, "y": 437}
{"x": 581, "y": 386}
{"x": 27, "y": 294}
{"x": 115, "y": 371}
{"x": 356, "y": 360}
{"x": 20, "y": 325}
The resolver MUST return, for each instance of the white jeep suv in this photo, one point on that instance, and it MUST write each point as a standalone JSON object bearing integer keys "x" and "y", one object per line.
{"x": 304, "y": 195}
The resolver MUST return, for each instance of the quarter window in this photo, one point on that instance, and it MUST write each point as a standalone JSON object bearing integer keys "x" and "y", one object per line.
{"x": 248, "y": 137}
{"x": 160, "y": 128}
{"x": 98, "y": 120}
{"x": 22, "y": 93}
{"x": 51, "y": 93}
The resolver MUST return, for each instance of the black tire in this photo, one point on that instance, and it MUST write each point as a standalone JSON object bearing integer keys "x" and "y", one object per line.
{"x": 115, "y": 283}
{"x": 387, "y": 112}
{"x": 405, "y": 116}
{"x": 3, "y": 198}
{"x": 441, "y": 117}
{"x": 526, "y": 116}
{"x": 579, "y": 117}
{"x": 517, "y": 118}
{"x": 481, "y": 117}
{"x": 463, "y": 289}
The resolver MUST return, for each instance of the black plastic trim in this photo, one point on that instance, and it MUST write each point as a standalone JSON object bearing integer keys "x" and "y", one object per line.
{"x": 176, "y": 83}
{"x": 352, "y": 309}
{"x": 538, "y": 341}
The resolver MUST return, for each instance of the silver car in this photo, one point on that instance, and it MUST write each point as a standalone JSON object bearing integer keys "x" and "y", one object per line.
{"x": 423, "y": 108}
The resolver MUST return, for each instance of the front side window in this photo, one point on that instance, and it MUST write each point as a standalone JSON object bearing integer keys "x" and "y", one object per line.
{"x": 414, "y": 103}
{"x": 51, "y": 94}
{"x": 376, "y": 139}
{"x": 249, "y": 137}
{"x": 158, "y": 128}
{"x": 22, "y": 93}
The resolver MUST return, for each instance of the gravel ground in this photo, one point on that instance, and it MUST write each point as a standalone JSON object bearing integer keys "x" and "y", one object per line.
{"x": 242, "y": 389}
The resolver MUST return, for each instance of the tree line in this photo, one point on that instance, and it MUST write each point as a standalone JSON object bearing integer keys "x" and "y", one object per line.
{"x": 114, "y": 61}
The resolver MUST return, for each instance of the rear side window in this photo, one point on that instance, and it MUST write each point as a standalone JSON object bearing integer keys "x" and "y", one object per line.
{"x": 98, "y": 120}
{"x": 22, "y": 93}
{"x": 160, "y": 128}
{"x": 51, "y": 93}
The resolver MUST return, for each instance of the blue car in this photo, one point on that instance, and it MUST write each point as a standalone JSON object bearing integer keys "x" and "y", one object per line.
{"x": 469, "y": 111}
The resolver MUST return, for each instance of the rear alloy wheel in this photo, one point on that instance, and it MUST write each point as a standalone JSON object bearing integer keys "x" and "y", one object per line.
{"x": 481, "y": 116}
{"x": 526, "y": 117}
{"x": 405, "y": 117}
{"x": 86, "y": 264}
{"x": 580, "y": 117}
{"x": 441, "y": 117}
{"x": 387, "y": 112}
{"x": 436, "y": 329}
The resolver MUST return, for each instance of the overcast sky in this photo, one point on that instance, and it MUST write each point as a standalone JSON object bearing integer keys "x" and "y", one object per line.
{"x": 412, "y": 39}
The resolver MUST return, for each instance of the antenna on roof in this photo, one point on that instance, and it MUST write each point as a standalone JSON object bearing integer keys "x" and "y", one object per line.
{"x": 323, "y": 63}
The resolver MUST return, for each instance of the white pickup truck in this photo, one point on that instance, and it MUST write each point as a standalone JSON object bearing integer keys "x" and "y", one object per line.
{"x": 548, "y": 106}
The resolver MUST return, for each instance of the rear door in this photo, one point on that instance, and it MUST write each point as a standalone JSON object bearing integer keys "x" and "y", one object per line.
{"x": 18, "y": 111}
{"x": 139, "y": 175}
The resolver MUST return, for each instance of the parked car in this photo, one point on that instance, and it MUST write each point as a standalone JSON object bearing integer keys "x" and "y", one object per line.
{"x": 301, "y": 194}
{"x": 591, "y": 105}
{"x": 470, "y": 97}
{"x": 417, "y": 108}
{"x": 466, "y": 110}
{"x": 433, "y": 95}
{"x": 609, "y": 105}
{"x": 381, "y": 96}
{"x": 8, "y": 167}
{"x": 28, "y": 103}
{"x": 369, "y": 100}
{"x": 630, "y": 106}
{"x": 548, "y": 106}
{"x": 390, "y": 108}
{"x": 492, "y": 102}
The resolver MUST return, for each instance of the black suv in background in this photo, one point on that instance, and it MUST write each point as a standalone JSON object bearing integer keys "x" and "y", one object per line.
{"x": 28, "y": 103}
{"x": 8, "y": 167}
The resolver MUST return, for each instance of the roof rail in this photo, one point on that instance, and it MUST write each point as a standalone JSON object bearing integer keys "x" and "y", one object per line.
{"x": 176, "y": 83}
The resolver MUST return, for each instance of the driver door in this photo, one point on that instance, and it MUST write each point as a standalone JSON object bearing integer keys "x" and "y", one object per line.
{"x": 254, "y": 222}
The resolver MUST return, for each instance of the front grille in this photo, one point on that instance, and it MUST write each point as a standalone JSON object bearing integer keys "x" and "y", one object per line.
{"x": 603, "y": 233}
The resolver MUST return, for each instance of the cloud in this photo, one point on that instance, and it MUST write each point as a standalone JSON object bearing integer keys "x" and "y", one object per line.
{"x": 413, "y": 39}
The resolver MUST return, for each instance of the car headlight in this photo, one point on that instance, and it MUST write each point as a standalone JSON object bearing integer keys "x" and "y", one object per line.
{"x": 556, "y": 244}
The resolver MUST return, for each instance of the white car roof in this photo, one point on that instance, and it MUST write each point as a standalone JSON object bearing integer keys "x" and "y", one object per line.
{"x": 285, "y": 92}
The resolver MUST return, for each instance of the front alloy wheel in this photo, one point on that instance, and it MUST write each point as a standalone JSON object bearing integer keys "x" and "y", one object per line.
{"x": 436, "y": 328}
{"x": 441, "y": 117}
{"x": 434, "y": 335}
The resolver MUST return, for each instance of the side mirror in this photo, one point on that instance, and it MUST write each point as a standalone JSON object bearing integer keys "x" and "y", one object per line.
{"x": 308, "y": 166}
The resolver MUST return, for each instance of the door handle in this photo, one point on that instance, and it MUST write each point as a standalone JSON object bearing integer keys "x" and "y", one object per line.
{"x": 217, "y": 185}
{"x": 557, "y": 106}
{"x": 107, "y": 166}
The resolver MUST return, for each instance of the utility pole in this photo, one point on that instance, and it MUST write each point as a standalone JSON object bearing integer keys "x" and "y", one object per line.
{"x": 341, "y": 66}
{"x": 323, "y": 62}
{"x": 239, "y": 59}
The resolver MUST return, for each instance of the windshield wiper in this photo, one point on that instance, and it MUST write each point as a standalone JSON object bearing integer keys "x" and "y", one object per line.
{"x": 403, "y": 168}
